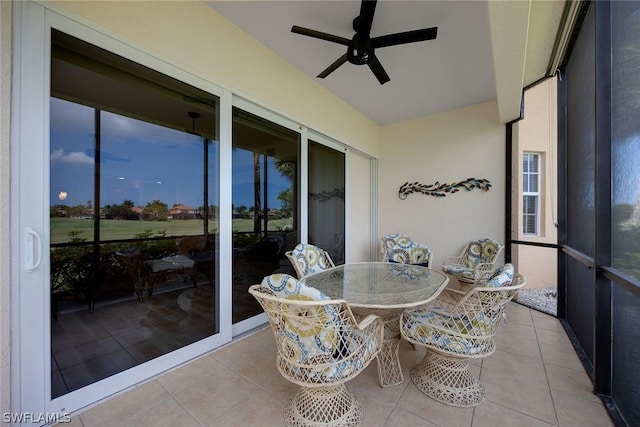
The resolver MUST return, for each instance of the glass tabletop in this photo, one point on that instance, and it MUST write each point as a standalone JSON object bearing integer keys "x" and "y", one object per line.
{"x": 379, "y": 284}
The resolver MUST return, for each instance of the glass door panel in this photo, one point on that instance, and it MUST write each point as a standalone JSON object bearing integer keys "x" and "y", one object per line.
{"x": 133, "y": 203}
{"x": 326, "y": 200}
{"x": 265, "y": 204}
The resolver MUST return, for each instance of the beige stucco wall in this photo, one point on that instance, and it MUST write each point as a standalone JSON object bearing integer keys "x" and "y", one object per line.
{"x": 537, "y": 133}
{"x": 448, "y": 147}
{"x": 5, "y": 158}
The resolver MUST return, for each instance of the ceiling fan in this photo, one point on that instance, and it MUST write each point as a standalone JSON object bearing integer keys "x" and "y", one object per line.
{"x": 361, "y": 48}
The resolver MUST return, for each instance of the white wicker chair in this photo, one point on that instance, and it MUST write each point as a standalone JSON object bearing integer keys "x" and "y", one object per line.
{"x": 320, "y": 347}
{"x": 400, "y": 248}
{"x": 309, "y": 259}
{"x": 457, "y": 327}
{"x": 476, "y": 263}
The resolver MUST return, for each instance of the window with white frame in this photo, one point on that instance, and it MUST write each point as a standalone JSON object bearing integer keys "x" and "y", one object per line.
{"x": 531, "y": 194}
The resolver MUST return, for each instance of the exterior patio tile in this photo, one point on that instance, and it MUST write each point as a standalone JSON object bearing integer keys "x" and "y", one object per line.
{"x": 401, "y": 417}
{"x": 517, "y": 339}
{"x": 503, "y": 365}
{"x": 260, "y": 409}
{"x": 185, "y": 376}
{"x": 124, "y": 406}
{"x": 518, "y": 314}
{"x": 574, "y": 382}
{"x": 167, "y": 413}
{"x": 212, "y": 397}
{"x": 574, "y": 411}
{"x": 415, "y": 402}
{"x": 560, "y": 354}
{"x": 519, "y": 394}
{"x": 375, "y": 409}
{"x": 491, "y": 414}
{"x": 544, "y": 321}
{"x": 534, "y": 379}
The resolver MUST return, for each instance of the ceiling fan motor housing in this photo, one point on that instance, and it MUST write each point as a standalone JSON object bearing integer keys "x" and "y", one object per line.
{"x": 360, "y": 52}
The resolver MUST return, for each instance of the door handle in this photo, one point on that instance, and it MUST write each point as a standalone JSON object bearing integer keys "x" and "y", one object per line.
{"x": 33, "y": 249}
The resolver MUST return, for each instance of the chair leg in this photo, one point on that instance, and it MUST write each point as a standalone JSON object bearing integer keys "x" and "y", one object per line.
{"x": 447, "y": 379}
{"x": 323, "y": 406}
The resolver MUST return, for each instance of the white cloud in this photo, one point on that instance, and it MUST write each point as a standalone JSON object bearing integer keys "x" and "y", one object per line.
{"x": 75, "y": 157}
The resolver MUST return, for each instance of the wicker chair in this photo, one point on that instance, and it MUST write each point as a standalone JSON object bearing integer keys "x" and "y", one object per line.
{"x": 147, "y": 273}
{"x": 457, "y": 327}
{"x": 196, "y": 248}
{"x": 400, "y": 248}
{"x": 309, "y": 259}
{"x": 320, "y": 347}
{"x": 476, "y": 263}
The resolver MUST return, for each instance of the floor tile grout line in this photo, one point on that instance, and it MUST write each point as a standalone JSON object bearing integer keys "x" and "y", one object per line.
{"x": 546, "y": 374}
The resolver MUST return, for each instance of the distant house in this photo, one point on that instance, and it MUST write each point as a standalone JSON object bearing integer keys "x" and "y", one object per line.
{"x": 183, "y": 212}
{"x": 138, "y": 211}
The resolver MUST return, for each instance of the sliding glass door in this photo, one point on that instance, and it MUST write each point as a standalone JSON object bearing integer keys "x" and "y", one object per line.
{"x": 265, "y": 203}
{"x": 145, "y": 201}
{"x": 326, "y": 199}
{"x": 133, "y": 224}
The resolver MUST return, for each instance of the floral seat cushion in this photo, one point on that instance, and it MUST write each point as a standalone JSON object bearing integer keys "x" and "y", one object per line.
{"x": 429, "y": 328}
{"x": 459, "y": 271}
{"x": 314, "y": 347}
{"x": 482, "y": 251}
{"x": 401, "y": 249}
{"x": 310, "y": 258}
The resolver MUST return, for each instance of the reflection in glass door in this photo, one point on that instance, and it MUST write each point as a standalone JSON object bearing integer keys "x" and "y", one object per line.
{"x": 133, "y": 214}
{"x": 265, "y": 204}
{"x": 326, "y": 200}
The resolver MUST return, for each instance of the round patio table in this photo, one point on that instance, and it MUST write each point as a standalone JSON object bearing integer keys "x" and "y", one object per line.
{"x": 385, "y": 289}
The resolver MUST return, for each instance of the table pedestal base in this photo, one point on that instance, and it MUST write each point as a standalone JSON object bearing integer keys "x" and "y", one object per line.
{"x": 389, "y": 369}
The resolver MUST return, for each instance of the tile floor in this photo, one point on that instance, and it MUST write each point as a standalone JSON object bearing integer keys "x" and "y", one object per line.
{"x": 533, "y": 379}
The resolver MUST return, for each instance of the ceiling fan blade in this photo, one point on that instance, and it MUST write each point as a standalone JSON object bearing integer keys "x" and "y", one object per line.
{"x": 378, "y": 70}
{"x": 320, "y": 35}
{"x": 331, "y": 68}
{"x": 406, "y": 37}
{"x": 365, "y": 19}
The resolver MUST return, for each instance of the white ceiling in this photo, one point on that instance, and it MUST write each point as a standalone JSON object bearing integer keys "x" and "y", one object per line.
{"x": 455, "y": 70}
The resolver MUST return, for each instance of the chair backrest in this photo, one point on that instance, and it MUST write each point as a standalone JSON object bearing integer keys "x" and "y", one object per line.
{"x": 483, "y": 305}
{"x": 502, "y": 276}
{"x": 309, "y": 259}
{"x": 286, "y": 286}
{"x": 482, "y": 251}
{"x": 469, "y": 327}
{"x": 190, "y": 244}
{"x": 400, "y": 248}
{"x": 316, "y": 337}
{"x": 132, "y": 259}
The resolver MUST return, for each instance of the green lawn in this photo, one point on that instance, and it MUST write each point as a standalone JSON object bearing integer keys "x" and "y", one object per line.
{"x": 113, "y": 229}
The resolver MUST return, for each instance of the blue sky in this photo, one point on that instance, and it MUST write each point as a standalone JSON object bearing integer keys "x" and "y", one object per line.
{"x": 141, "y": 162}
